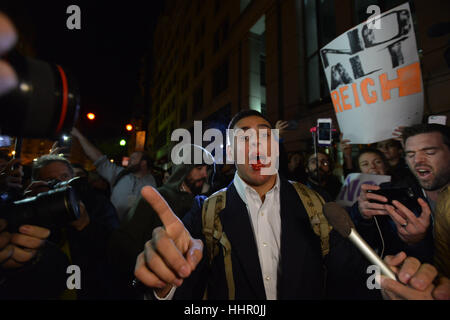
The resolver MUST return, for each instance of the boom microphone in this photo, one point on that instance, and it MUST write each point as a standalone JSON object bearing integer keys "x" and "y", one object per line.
{"x": 339, "y": 219}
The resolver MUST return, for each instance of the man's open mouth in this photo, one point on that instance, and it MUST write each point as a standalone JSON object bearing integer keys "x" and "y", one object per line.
{"x": 423, "y": 172}
{"x": 258, "y": 161}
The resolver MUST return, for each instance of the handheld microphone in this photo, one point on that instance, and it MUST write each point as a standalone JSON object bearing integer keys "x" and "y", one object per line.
{"x": 339, "y": 219}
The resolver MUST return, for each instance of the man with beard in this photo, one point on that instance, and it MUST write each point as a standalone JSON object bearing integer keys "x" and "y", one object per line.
{"x": 427, "y": 153}
{"x": 126, "y": 183}
{"x": 186, "y": 182}
{"x": 321, "y": 179}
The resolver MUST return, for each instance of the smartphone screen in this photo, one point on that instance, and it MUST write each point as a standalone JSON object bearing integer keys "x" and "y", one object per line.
{"x": 5, "y": 141}
{"x": 324, "y": 131}
{"x": 438, "y": 119}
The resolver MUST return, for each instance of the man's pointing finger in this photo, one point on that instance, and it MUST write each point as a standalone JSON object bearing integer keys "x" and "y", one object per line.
{"x": 160, "y": 206}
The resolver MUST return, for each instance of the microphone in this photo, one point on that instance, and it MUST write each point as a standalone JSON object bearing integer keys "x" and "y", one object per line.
{"x": 339, "y": 219}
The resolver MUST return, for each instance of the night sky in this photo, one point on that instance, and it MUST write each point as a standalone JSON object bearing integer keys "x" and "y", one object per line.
{"x": 104, "y": 56}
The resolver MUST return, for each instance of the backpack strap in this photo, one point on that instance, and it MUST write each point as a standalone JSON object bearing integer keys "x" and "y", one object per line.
{"x": 313, "y": 204}
{"x": 213, "y": 232}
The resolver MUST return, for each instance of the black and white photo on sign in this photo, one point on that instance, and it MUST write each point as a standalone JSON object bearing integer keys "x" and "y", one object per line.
{"x": 363, "y": 67}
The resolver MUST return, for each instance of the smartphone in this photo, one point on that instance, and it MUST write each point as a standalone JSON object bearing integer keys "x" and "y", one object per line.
{"x": 5, "y": 141}
{"x": 65, "y": 142}
{"x": 324, "y": 131}
{"x": 405, "y": 196}
{"x": 438, "y": 119}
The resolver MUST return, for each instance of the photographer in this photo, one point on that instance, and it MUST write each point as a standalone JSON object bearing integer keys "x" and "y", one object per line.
{"x": 31, "y": 266}
{"x": 86, "y": 237}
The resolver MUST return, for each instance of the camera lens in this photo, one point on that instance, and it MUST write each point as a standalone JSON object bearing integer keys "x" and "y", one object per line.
{"x": 45, "y": 102}
{"x": 59, "y": 206}
{"x": 53, "y": 209}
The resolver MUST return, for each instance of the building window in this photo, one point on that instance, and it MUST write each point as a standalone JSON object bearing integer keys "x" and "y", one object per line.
{"x": 263, "y": 109}
{"x": 198, "y": 99}
{"x": 186, "y": 55}
{"x": 187, "y": 30}
{"x": 160, "y": 140}
{"x": 220, "y": 79}
{"x": 262, "y": 70}
{"x": 244, "y": 4}
{"x": 199, "y": 63}
{"x": 200, "y": 31}
{"x": 221, "y": 35}
{"x": 217, "y": 6}
{"x": 320, "y": 29}
{"x": 183, "y": 113}
{"x": 185, "y": 82}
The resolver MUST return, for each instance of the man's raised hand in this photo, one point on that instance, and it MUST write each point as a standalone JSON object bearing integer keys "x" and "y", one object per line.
{"x": 172, "y": 254}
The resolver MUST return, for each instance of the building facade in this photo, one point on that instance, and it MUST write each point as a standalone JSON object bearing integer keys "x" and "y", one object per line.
{"x": 214, "y": 58}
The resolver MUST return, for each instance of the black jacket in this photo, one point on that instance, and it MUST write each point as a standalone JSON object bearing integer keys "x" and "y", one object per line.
{"x": 303, "y": 273}
{"x": 128, "y": 241}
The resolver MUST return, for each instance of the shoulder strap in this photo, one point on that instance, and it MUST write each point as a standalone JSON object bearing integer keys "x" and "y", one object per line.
{"x": 212, "y": 230}
{"x": 119, "y": 177}
{"x": 313, "y": 203}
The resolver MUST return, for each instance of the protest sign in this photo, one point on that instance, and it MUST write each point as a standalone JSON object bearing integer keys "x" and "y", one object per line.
{"x": 374, "y": 77}
{"x": 352, "y": 186}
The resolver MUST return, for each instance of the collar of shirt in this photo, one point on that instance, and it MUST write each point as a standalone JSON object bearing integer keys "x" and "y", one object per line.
{"x": 246, "y": 192}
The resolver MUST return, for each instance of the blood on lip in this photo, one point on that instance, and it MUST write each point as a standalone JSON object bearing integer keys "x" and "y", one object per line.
{"x": 258, "y": 165}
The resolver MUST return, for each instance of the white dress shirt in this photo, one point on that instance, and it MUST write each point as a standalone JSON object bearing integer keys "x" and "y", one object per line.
{"x": 266, "y": 222}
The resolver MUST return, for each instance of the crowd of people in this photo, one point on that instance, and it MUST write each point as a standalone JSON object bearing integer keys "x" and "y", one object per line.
{"x": 229, "y": 231}
{"x": 118, "y": 242}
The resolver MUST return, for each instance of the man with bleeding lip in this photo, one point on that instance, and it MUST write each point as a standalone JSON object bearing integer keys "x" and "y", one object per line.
{"x": 274, "y": 251}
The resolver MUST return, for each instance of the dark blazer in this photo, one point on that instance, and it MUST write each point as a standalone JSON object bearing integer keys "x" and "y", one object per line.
{"x": 302, "y": 269}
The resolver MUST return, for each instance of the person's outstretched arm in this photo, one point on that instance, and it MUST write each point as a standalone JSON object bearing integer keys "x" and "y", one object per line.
{"x": 91, "y": 151}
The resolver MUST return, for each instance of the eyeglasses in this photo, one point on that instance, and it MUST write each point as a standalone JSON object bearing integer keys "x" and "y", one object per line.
{"x": 322, "y": 162}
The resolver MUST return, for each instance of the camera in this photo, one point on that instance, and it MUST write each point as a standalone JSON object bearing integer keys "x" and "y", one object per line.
{"x": 45, "y": 102}
{"x": 52, "y": 209}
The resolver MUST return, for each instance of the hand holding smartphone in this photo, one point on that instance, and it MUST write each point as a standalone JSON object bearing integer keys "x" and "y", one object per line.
{"x": 405, "y": 196}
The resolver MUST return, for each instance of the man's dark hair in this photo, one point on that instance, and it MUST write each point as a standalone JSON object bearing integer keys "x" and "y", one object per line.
{"x": 45, "y": 161}
{"x": 244, "y": 114}
{"x": 81, "y": 167}
{"x": 374, "y": 151}
{"x": 396, "y": 143}
{"x": 427, "y": 128}
{"x": 322, "y": 151}
{"x": 145, "y": 156}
